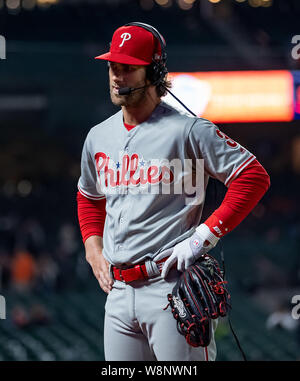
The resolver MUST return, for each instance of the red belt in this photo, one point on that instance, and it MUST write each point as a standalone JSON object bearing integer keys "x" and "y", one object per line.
{"x": 134, "y": 273}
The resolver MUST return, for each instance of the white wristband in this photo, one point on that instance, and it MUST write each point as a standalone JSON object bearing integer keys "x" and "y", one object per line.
{"x": 205, "y": 233}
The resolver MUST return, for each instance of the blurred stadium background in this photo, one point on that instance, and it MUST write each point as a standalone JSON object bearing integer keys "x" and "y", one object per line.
{"x": 52, "y": 92}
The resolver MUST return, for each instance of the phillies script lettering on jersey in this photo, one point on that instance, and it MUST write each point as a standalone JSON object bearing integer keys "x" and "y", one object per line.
{"x": 134, "y": 171}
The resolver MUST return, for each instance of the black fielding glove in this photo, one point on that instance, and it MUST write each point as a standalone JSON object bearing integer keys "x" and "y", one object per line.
{"x": 198, "y": 297}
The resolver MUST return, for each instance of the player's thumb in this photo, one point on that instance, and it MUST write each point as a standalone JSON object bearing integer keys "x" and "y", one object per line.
{"x": 168, "y": 264}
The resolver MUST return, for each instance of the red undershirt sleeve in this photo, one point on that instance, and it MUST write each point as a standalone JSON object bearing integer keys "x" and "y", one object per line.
{"x": 91, "y": 216}
{"x": 242, "y": 196}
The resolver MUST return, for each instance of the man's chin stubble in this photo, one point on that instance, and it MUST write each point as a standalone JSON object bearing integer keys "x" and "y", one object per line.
{"x": 127, "y": 100}
{"x": 118, "y": 101}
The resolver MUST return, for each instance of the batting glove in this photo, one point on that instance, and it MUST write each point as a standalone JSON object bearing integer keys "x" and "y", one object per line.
{"x": 189, "y": 250}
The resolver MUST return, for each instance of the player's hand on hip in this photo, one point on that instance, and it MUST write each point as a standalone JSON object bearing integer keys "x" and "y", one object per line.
{"x": 100, "y": 268}
{"x": 186, "y": 252}
{"x": 98, "y": 263}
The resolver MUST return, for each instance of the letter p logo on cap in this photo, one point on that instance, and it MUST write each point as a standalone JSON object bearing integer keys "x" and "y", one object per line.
{"x": 126, "y": 37}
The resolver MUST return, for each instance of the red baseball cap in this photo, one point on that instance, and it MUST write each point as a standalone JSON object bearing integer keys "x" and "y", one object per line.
{"x": 132, "y": 45}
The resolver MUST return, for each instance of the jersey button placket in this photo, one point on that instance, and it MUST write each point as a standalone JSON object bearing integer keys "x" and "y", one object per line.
{"x": 122, "y": 225}
{"x": 122, "y": 232}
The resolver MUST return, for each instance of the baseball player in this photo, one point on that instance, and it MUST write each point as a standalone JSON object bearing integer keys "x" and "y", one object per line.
{"x": 139, "y": 231}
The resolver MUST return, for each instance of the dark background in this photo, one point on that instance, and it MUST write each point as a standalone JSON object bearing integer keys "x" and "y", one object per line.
{"x": 52, "y": 92}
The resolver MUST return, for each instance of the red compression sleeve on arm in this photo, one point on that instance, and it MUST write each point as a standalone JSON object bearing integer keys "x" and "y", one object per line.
{"x": 91, "y": 216}
{"x": 242, "y": 196}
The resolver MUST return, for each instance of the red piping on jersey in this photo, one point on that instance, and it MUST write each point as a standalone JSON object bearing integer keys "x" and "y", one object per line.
{"x": 90, "y": 197}
{"x": 243, "y": 194}
{"x": 240, "y": 168}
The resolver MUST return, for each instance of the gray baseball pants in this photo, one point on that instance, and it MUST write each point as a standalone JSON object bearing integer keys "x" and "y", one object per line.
{"x": 137, "y": 328}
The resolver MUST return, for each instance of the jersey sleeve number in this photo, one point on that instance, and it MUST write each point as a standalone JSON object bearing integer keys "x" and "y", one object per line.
{"x": 231, "y": 143}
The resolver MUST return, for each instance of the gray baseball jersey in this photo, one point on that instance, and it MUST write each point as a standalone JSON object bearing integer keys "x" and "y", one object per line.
{"x": 143, "y": 173}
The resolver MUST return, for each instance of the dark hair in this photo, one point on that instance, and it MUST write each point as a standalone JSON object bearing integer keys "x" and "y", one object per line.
{"x": 162, "y": 85}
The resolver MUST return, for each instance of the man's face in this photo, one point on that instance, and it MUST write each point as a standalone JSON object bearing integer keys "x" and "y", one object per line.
{"x": 121, "y": 75}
